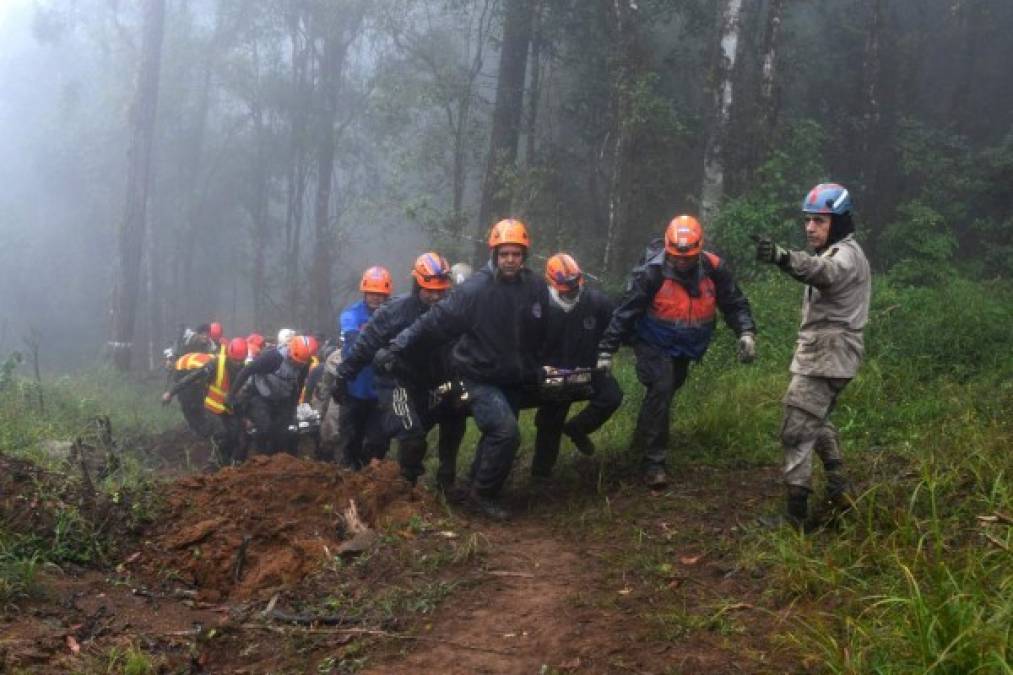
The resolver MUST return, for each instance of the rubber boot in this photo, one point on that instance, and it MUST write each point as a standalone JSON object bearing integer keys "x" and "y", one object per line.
{"x": 839, "y": 492}
{"x": 411, "y": 453}
{"x": 797, "y": 507}
{"x": 656, "y": 478}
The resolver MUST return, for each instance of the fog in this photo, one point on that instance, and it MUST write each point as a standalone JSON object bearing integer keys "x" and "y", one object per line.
{"x": 619, "y": 118}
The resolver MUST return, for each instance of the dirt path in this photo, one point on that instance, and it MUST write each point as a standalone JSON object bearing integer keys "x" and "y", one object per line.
{"x": 521, "y": 613}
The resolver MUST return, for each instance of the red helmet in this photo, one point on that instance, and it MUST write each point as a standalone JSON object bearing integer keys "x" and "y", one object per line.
{"x": 432, "y": 272}
{"x": 376, "y": 280}
{"x": 509, "y": 231}
{"x": 215, "y": 331}
{"x": 255, "y": 340}
{"x": 313, "y": 344}
{"x": 299, "y": 348}
{"x": 563, "y": 273}
{"x": 684, "y": 237}
{"x": 237, "y": 349}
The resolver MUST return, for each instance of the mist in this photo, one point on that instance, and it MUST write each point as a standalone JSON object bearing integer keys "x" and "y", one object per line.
{"x": 429, "y": 120}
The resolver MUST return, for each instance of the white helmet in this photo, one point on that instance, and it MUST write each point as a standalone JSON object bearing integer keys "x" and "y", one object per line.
{"x": 284, "y": 336}
{"x": 459, "y": 272}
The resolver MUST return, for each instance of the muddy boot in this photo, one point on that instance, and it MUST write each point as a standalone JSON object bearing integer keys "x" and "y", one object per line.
{"x": 797, "y": 508}
{"x": 839, "y": 492}
{"x": 656, "y": 478}
{"x": 486, "y": 506}
{"x": 581, "y": 440}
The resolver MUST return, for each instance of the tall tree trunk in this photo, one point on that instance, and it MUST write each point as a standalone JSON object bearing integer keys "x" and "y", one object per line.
{"x": 340, "y": 32}
{"x": 139, "y": 160}
{"x": 535, "y": 90}
{"x": 623, "y": 73}
{"x": 769, "y": 94}
{"x": 729, "y": 24}
{"x": 967, "y": 16}
{"x": 297, "y": 166}
{"x": 506, "y": 118}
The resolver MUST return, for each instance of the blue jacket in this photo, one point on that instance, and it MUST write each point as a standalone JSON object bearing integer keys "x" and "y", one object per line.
{"x": 352, "y": 321}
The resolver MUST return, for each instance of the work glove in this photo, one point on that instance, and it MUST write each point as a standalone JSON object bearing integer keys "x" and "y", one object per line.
{"x": 385, "y": 361}
{"x": 340, "y": 391}
{"x": 768, "y": 251}
{"x": 166, "y": 398}
{"x": 604, "y": 362}
{"x": 747, "y": 348}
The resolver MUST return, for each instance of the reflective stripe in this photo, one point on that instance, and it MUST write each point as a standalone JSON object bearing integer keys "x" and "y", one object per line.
{"x": 219, "y": 389}
{"x": 314, "y": 361}
{"x": 192, "y": 361}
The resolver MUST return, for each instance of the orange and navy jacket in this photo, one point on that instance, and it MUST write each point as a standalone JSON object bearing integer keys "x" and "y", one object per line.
{"x": 677, "y": 313}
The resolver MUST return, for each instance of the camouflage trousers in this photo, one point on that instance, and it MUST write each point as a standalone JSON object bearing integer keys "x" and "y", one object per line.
{"x": 806, "y": 426}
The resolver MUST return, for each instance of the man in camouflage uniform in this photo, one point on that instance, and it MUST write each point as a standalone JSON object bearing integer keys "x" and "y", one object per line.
{"x": 835, "y": 309}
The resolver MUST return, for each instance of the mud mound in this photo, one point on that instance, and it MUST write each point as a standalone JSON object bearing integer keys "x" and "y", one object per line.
{"x": 248, "y": 531}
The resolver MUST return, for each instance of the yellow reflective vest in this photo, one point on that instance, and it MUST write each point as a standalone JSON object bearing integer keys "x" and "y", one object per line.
{"x": 218, "y": 390}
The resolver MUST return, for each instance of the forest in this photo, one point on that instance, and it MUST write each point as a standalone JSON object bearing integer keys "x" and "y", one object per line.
{"x": 169, "y": 163}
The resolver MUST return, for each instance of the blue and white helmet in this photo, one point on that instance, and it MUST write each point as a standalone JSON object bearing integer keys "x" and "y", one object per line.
{"x": 828, "y": 198}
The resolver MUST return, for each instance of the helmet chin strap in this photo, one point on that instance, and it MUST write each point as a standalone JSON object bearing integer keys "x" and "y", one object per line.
{"x": 561, "y": 302}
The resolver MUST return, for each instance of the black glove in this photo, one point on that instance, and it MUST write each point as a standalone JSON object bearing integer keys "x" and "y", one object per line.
{"x": 340, "y": 391}
{"x": 768, "y": 251}
{"x": 386, "y": 361}
{"x": 231, "y": 401}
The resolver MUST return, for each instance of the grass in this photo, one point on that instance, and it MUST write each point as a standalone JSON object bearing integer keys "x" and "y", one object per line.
{"x": 911, "y": 582}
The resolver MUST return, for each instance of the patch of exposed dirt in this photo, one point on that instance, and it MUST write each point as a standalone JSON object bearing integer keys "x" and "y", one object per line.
{"x": 176, "y": 452}
{"x": 246, "y": 532}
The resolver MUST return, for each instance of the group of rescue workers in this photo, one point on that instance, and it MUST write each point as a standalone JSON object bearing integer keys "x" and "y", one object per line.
{"x": 504, "y": 338}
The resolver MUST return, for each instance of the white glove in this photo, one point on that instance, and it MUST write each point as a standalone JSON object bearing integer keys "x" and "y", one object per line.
{"x": 747, "y": 348}
{"x": 604, "y": 361}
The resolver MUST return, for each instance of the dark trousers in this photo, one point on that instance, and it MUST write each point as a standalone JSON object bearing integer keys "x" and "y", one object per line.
{"x": 191, "y": 402}
{"x": 662, "y": 375}
{"x": 271, "y": 419}
{"x": 409, "y": 414}
{"x": 361, "y": 436}
{"x": 226, "y": 431}
{"x": 606, "y": 397}
{"x": 495, "y": 411}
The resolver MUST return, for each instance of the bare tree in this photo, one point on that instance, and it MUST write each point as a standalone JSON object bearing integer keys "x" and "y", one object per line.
{"x": 506, "y": 117}
{"x": 769, "y": 94}
{"x": 139, "y": 161}
{"x": 729, "y": 25}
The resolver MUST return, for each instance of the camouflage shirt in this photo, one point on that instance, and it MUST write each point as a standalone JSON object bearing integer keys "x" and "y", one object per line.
{"x": 835, "y": 309}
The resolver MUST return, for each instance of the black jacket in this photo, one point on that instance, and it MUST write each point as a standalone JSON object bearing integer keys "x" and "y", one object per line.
{"x": 644, "y": 282}
{"x": 501, "y": 326}
{"x": 572, "y": 337}
{"x": 428, "y": 361}
{"x": 267, "y": 362}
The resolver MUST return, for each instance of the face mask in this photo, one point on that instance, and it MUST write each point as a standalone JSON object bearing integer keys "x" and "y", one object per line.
{"x": 561, "y": 302}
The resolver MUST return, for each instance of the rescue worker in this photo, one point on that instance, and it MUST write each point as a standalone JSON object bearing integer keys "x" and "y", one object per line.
{"x": 497, "y": 318}
{"x": 191, "y": 394}
{"x": 285, "y": 335}
{"x": 215, "y": 375}
{"x": 361, "y": 437}
{"x": 459, "y": 273}
{"x": 575, "y": 321}
{"x": 830, "y": 347}
{"x": 254, "y": 343}
{"x": 275, "y": 381}
{"x": 198, "y": 340}
{"x": 216, "y": 335}
{"x": 669, "y": 310}
{"x": 406, "y": 397}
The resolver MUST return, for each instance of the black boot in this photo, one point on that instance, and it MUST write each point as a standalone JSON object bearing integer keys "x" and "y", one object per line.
{"x": 581, "y": 440}
{"x": 797, "y": 507}
{"x": 839, "y": 492}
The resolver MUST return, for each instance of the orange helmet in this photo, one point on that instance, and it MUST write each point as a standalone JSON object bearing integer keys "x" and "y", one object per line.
{"x": 238, "y": 349}
{"x": 563, "y": 273}
{"x": 432, "y": 272}
{"x": 376, "y": 280}
{"x": 509, "y": 231}
{"x": 314, "y": 345}
{"x": 215, "y": 331}
{"x": 300, "y": 348}
{"x": 684, "y": 237}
